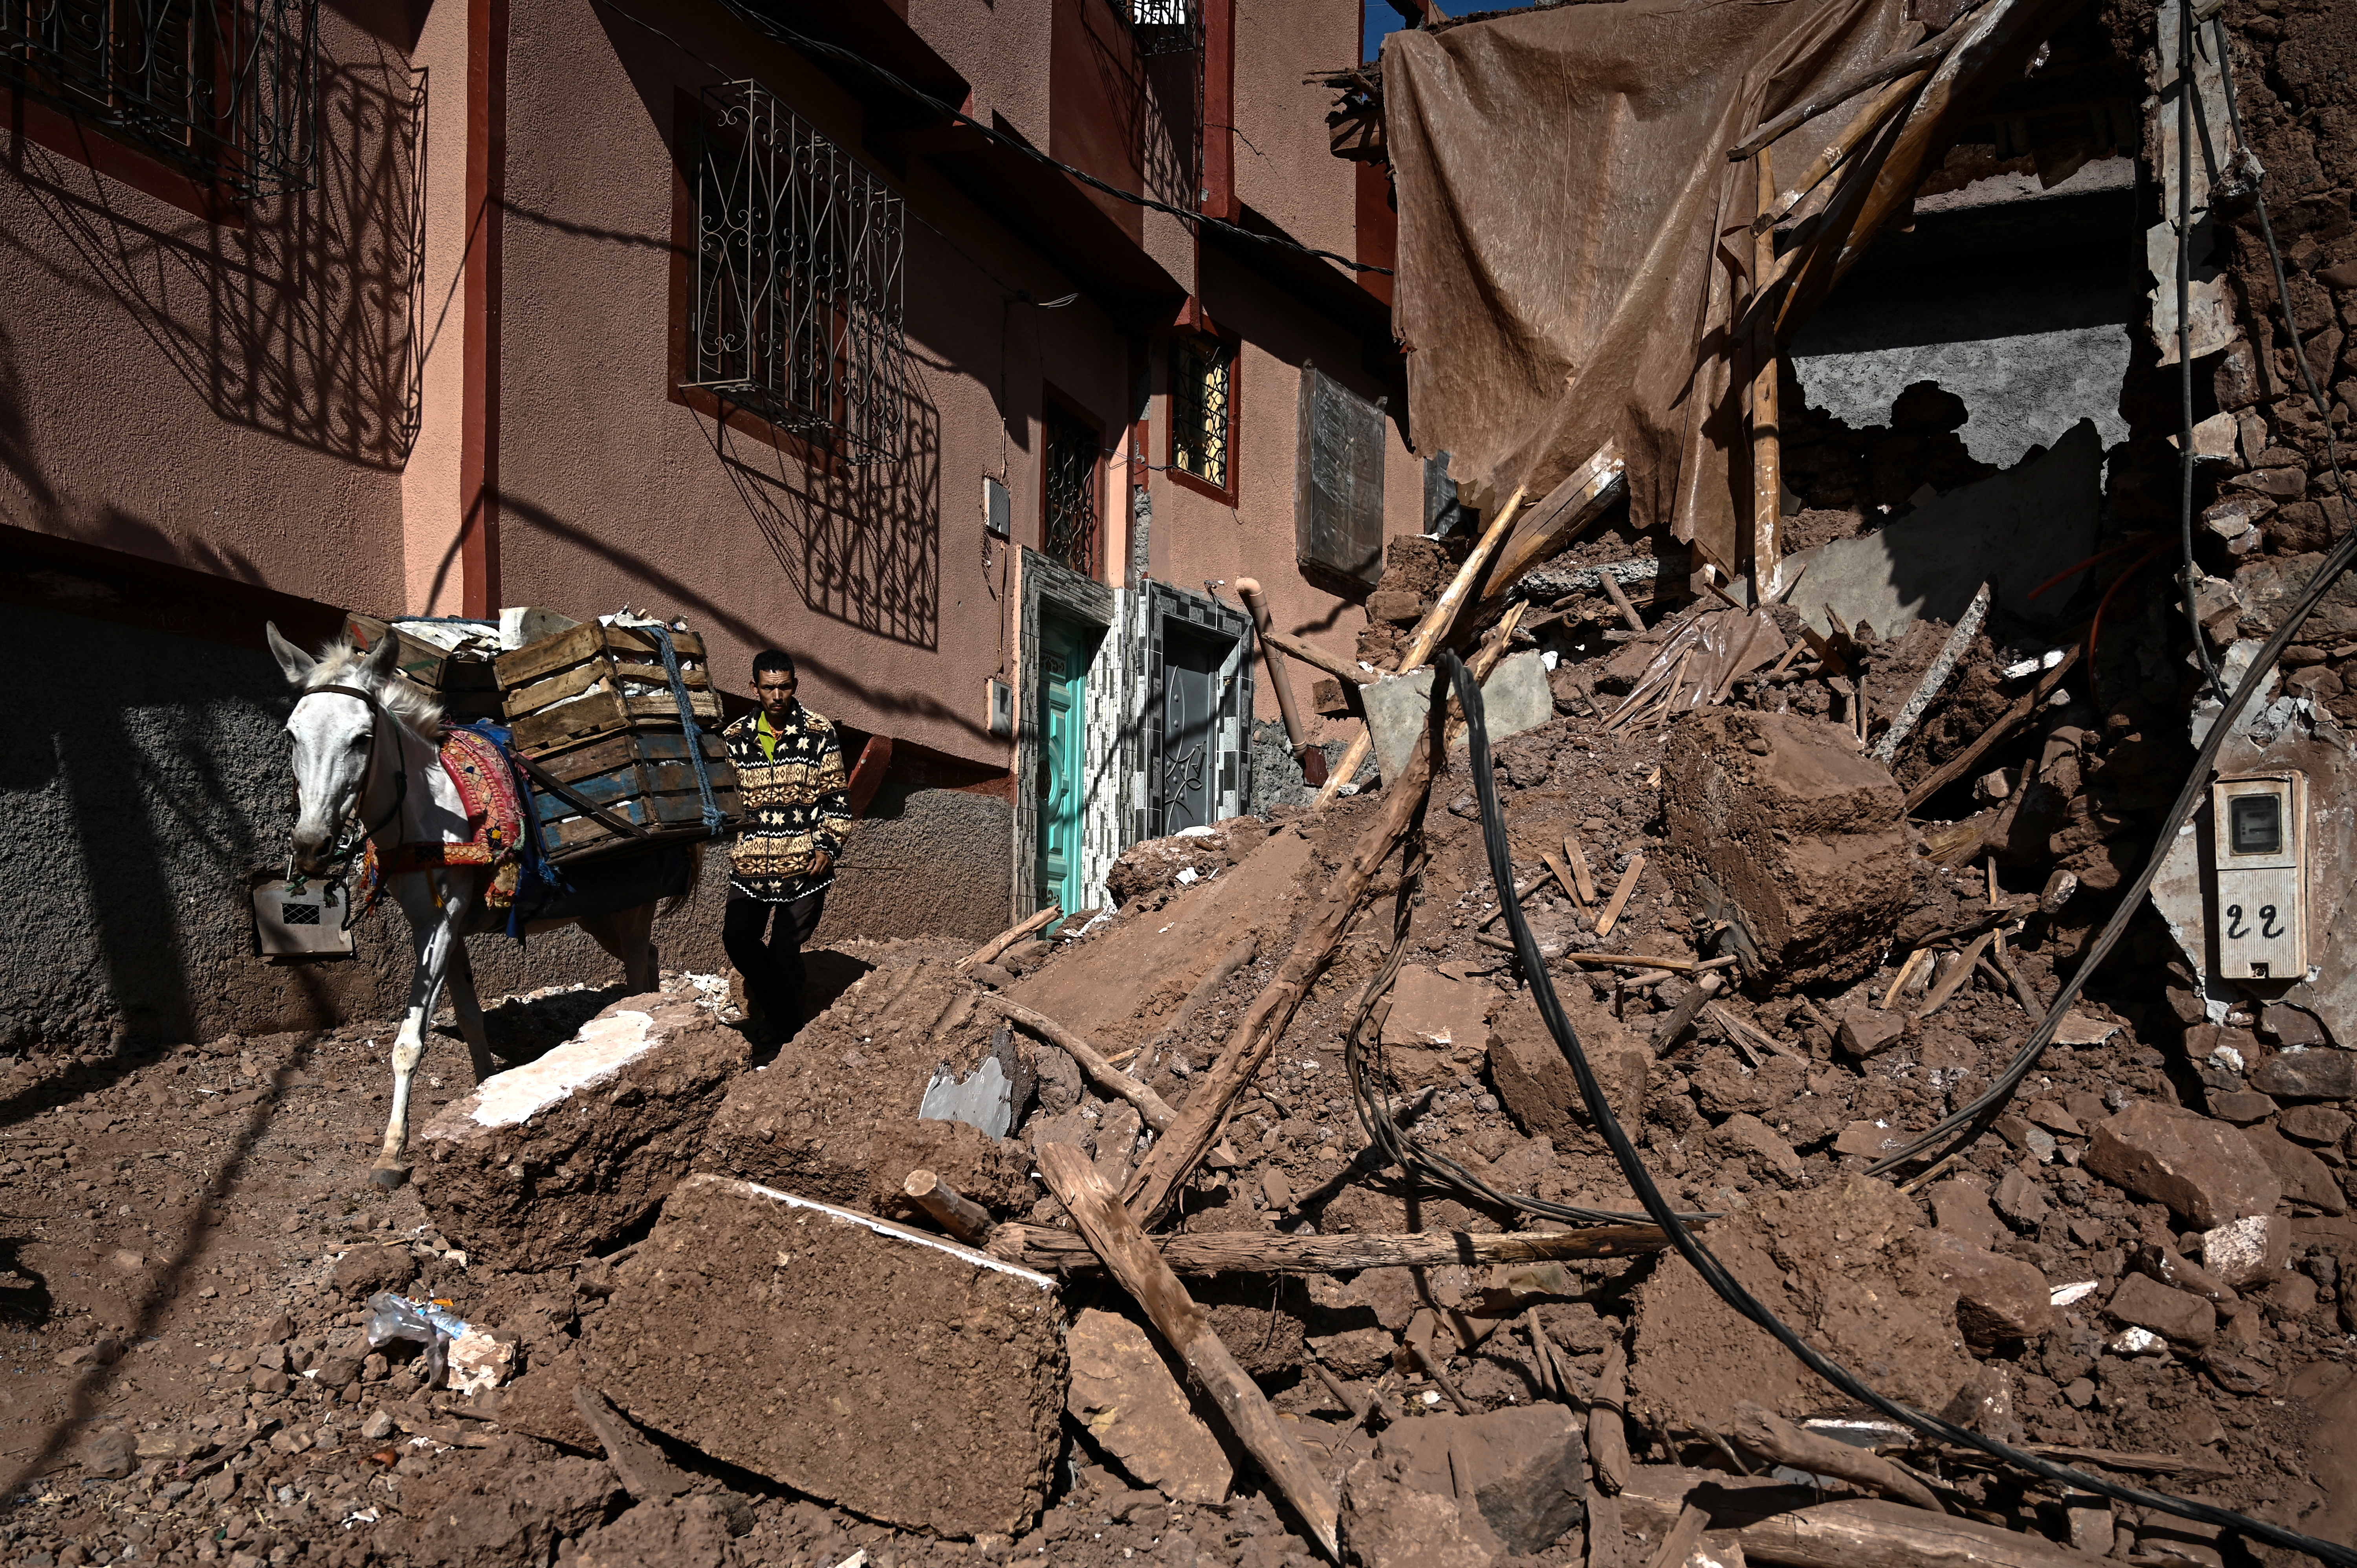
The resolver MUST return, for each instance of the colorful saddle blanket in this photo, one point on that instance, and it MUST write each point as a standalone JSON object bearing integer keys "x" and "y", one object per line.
{"x": 486, "y": 781}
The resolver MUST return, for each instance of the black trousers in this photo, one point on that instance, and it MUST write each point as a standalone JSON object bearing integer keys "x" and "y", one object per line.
{"x": 765, "y": 942}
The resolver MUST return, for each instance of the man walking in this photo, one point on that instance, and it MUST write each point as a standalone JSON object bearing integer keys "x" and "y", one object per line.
{"x": 796, "y": 817}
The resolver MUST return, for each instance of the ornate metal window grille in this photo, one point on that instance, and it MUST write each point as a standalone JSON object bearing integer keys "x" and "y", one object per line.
{"x": 797, "y": 305}
{"x": 1203, "y": 382}
{"x": 224, "y": 89}
{"x": 1071, "y": 522}
{"x": 1164, "y": 27}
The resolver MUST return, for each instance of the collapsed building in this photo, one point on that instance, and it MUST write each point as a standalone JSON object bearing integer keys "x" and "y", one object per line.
{"x": 1850, "y": 909}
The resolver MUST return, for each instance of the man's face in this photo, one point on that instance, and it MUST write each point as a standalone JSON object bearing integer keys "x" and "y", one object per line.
{"x": 774, "y": 690}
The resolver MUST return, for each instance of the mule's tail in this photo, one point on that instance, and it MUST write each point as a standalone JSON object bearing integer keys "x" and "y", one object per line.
{"x": 695, "y": 882}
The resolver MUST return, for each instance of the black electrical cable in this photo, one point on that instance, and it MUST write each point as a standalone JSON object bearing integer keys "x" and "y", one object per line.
{"x": 2188, "y": 577}
{"x": 807, "y": 45}
{"x": 1725, "y": 1286}
{"x": 1960, "y": 1127}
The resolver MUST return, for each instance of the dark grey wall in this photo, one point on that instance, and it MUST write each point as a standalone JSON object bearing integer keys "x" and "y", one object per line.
{"x": 923, "y": 863}
{"x": 145, "y": 780}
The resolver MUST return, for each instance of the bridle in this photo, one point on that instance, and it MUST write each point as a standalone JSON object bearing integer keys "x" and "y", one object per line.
{"x": 348, "y": 841}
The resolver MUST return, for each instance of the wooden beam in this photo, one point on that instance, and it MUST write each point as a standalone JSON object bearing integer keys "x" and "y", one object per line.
{"x": 1132, "y": 1260}
{"x": 1317, "y": 658}
{"x": 1050, "y": 1251}
{"x": 1150, "y": 1105}
{"x": 952, "y": 1209}
{"x": 1766, "y": 441}
{"x": 1006, "y": 938}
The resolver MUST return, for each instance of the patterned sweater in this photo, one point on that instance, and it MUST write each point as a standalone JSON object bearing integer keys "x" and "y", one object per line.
{"x": 794, "y": 806}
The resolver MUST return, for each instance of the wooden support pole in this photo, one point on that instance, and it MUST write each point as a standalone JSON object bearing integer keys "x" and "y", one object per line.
{"x": 952, "y": 1209}
{"x": 1429, "y": 633}
{"x": 1150, "y": 1105}
{"x": 1050, "y": 1250}
{"x": 1342, "y": 669}
{"x": 1132, "y": 1260}
{"x": 1178, "y": 1150}
{"x": 1869, "y": 120}
{"x": 1767, "y": 443}
{"x": 1608, "y": 1439}
{"x": 990, "y": 950}
{"x": 1905, "y": 63}
{"x": 1248, "y": 590}
{"x": 1770, "y": 1436}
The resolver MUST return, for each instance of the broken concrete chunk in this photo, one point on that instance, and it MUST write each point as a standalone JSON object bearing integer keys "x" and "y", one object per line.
{"x": 1777, "y": 823}
{"x": 781, "y": 1335}
{"x": 2247, "y": 1251}
{"x": 1535, "y": 1079}
{"x": 2205, "y": 1171}
{"x": 557, "y": 1158}
{"x": 1123, "y": 1392}
{"x": 837, "y": 1118}
{"x": 2178, "y": 1317}
{"x": 2326, "y": 1074}
{"x": 1997, "y": 1298}
{"x": 1429, "y": 1008}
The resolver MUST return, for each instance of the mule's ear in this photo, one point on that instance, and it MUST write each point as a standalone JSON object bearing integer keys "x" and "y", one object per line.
{"x": 385, "y": 660}
{"x": 296, "y": 663}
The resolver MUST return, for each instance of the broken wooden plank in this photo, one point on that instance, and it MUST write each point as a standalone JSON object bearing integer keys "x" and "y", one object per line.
{"x": 1904, "y": 63}
{"x": 1577, "y": 857}
{"x": 1608, "y": 1438}
{"x": 1132, "y": 1260}
{"x": 1050, "y": 1251}
{"x": 1935, "y": 679}
{"x": 1778, "y": 1523}
{"x": 1611, "y": 916}
{"x": 1150, "y": 1105}
{"x": 1006, "y": 938}
{"x": 1767, "y": 1433}
{"x": 1956, "y": 976}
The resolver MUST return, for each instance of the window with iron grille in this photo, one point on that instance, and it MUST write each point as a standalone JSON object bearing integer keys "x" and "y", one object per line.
{"x": 1202, "y": 408}
{"x": 797, "y": 303}
{"x": 226, "y": 90}
{"x": 1070, "y": 534}
{"x": 1164, "y": 27}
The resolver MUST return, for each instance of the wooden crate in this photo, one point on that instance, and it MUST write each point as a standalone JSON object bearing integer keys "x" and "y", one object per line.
{"x": 593, "y": 680}
{"x": 641, "y": 776}
{"x": 468, "y": 688}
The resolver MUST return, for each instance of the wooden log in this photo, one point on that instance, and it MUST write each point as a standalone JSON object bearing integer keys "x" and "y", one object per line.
{"x": 1611, "y": 915}
{"x": 1869, "y": 120}
{"x": 1684, "y": 1535}
{"x": 1619, "y": 598}
{"x": 1608, "y": 1439}
{"x": 1006, "y": 938}
{"x": 1437, "y": 624}
{"x": 1770, "y": 1436}
{"x": 1132, "y": 1260}
{"x": 1777, "y": 1524}
{"x": 1606, "y": 1544}
{"x": 1956, "y": 767}
{"x": 1156, "y": 1179}
{"x": 1684, "y": 1013}
{"x": 1150, "y": 1105}
{"x": 1050, "y": 1250}
{"x": 952, "y": 1209}
{"x": 1767, "y": 441}
{"x": 1343, "y": 669}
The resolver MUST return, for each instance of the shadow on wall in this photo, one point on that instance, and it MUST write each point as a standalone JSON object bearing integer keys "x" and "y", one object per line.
{"x": 309, "y": 323}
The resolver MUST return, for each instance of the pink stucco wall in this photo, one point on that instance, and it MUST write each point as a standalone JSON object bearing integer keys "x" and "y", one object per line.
{"x": 232, "y": 398}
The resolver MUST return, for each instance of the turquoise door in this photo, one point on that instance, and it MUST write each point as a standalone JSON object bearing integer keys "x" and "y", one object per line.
{"x": 1063, "y": 757}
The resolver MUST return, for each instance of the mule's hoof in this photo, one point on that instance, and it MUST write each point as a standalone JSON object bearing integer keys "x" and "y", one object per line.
{"x": 389, "y": 1175}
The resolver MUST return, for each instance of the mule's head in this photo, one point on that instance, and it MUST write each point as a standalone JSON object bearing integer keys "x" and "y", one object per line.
{"x": 332, "y": 735}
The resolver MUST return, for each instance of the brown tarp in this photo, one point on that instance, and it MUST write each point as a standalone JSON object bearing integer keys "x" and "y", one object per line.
{"x": 1573, "y": 241}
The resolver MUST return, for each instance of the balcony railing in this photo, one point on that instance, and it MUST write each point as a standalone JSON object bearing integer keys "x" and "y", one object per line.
{"x": 226, "y": 90}
{"x": 1164, "y": 27}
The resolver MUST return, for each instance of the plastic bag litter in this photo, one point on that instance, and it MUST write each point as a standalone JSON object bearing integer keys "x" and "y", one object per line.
{"x": 393, "y": 1317}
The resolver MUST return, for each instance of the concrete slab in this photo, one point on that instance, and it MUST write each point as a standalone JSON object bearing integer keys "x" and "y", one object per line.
{"x": 2015, "y": 530}
{"x": 781, "y": 1335}
{"x": 1515, "y": 698}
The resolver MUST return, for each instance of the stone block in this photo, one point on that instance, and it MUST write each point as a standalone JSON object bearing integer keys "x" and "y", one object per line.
{"x": 2247, "y": 1251}
{"x": 2241, "y": 1106}
{"x": 550, "y": 1161}
{"x": 2314, "y": 1124}
{"x": 1515, "y": 697}
{"x": 1778, "y": 823}
{"x": 1536, "y": 1082}
{"x": 2327, "y": 1074}
{"x": 1962, "y": 1212}
{"x": 2205, "y": 1171}
{"x": 875, "y": 1367}
{"x": 1124, "y": 1393}
{"x": 1997, "y": 1298}
{"x": 2178, "y": 1317}
{"x": 1864, "y": 1031}
{"x": 2307, "y": 1180}
{"x": 835, "y": 1116}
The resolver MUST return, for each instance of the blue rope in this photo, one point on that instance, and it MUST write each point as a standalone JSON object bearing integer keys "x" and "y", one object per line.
{"x": 715, "y": 820}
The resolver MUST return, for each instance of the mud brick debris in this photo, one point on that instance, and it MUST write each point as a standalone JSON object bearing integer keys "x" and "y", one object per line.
{"x": 1778, "y": 824}
{"x": 2179, "y": 1317}
{"x": 1468, "y": 1489}
{"x": 2206, "y": 1172}
{"x": 1124, "y": 1393}
{"x": 555, "y": 1159}
{"x": 892, "y": 1372}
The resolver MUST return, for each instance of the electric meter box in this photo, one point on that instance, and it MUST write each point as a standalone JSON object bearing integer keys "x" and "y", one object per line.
{"x": 308, "y": 924}
{"x": 2259, "y": 853}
